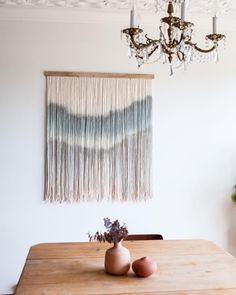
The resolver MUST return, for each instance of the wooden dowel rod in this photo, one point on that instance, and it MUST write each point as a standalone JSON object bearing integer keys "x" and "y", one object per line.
{"x": 98, "y": 75}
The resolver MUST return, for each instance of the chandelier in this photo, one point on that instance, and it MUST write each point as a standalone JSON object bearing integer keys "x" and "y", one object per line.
{"x": 175, "y": 43}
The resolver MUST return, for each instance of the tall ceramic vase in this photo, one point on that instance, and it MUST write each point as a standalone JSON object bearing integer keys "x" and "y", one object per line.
{"x": 117, "y": 260}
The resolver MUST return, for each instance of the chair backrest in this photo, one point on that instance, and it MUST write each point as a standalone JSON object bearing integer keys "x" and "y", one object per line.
{"x": 139, "y": 237}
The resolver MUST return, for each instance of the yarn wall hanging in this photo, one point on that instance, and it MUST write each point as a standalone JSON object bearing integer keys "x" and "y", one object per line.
{"x": 98, "y": 137}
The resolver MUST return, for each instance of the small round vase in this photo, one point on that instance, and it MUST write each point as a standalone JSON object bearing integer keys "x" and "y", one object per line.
{"x": 117, "y": 260}
{"x": 144, "y": 267}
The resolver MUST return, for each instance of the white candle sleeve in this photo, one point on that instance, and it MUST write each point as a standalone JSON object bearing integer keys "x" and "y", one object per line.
{"x": 132, "y": 16}
{"x": 214, "y": 24}
{"x": 183, "y": 11}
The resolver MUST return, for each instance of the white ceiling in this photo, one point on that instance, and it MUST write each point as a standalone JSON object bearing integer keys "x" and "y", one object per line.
{"x": 195, "y": 6}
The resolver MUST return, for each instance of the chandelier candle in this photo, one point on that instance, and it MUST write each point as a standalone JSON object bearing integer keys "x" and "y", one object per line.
{"x": 183, "y": 10}
{"x": 214, "y": 24}
{"x": 132, "y": 17}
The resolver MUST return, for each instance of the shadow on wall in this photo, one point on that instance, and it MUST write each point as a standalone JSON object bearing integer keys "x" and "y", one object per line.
{"x": 232, "y": 229}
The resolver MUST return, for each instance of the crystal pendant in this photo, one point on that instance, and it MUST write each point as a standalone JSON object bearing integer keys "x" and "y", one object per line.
{"x": 165, "y": 59}
{"x": 139, "y": 62}
{"x": 171, "y": 70}
{"x": 128, "y": 40}
{"x": 188, "y": 54}
{"x": 130, "y": 52}
{"x": 145, "y": 55}
{"x": 216, "y": 56}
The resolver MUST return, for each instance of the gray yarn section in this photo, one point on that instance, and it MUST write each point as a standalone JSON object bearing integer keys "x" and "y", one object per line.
{"x": 83, "y": 174}
{"x": 136, "y": 117}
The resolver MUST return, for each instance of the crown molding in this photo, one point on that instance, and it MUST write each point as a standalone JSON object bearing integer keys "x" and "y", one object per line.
{"x": 194, "y": 6}
{"x": 96, "y": 16}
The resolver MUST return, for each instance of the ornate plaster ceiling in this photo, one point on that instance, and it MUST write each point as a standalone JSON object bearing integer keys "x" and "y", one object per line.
{"x": 195, "y": 6}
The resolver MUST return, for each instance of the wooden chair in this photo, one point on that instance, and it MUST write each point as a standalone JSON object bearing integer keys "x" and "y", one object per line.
{"x": 139, "y": 237}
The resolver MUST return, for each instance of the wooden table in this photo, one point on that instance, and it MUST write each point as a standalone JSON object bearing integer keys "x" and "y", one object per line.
{"x": 185, "y": 267}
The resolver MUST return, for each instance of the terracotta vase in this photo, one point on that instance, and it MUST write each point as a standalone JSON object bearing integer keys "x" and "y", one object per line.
{"x": 117, "y": 260}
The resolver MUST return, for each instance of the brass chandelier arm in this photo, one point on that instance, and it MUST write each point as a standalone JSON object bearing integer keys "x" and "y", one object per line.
{"x": 153, "y": 50}
{"x": 149, "y": 54}
{"x": 166, "y": 50}
{"x": 200, "y": 49}
{"x": 142, "y": 45}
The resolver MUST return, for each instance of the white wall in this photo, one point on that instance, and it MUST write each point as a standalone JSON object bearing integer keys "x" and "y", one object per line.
{"x": 194, "y": 144}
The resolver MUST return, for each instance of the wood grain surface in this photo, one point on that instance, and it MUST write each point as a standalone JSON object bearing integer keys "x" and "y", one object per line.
{"x": 185, "y": 267}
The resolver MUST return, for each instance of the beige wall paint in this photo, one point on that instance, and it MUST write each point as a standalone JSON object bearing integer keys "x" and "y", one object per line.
{"x": 194, "y": 142}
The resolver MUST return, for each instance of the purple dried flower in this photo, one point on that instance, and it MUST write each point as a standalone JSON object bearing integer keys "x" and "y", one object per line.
{"x": 115, "y": 232}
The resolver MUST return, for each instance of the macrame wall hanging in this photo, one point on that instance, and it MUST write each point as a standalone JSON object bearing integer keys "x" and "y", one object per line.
{"x": 99, "y": 137}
